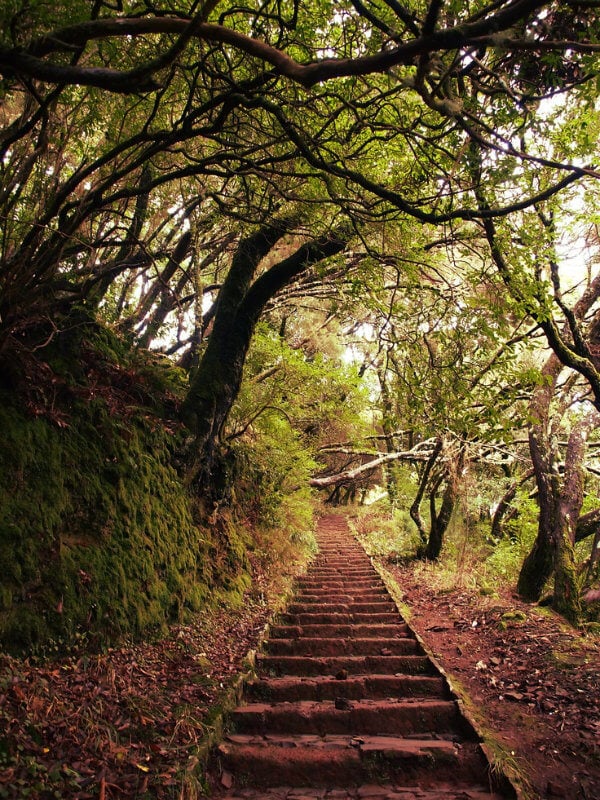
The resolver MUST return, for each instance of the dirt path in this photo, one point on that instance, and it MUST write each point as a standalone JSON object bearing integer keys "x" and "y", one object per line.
{"x": 346, "y": 704}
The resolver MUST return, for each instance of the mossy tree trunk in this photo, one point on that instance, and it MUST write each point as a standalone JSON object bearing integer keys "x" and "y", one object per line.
{"x": 539, "y": 563}
{"x": 560, "y": 499}
{"x": 567, "y": 599}
{"x": 242, "y": 298}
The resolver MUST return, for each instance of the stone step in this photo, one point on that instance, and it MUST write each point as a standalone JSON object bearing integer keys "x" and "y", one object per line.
{"x": 370, "y": 596}
{"x": 369, "y": 791}
{"x": 404, "y": 718}
{"x": 349, "y": 591}
{"x": 335, "y": 617}
{"x": 345, "y": 705}
{"x": 348, "y": 587}
{"x": 344, "y": 575}
{"x": 312, "y": 760}
{"x": 347, "y": 569}
{"x": 350, "y": 558}
{"x": 339, "y": 630}
{"x": 342, "y": 555}
{"x": 315, "y": 646}
{"x": 352, "y": 665}
{"x": 353, "y": 687}
{"x": 347, "y": 561}
{"x": 351, "y": 608}
{"x": 344, "y": 563}
{"x": 368, "y": 583}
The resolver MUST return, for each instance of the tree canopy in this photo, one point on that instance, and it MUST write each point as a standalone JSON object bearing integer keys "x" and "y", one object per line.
{"x": 413, "y": 176}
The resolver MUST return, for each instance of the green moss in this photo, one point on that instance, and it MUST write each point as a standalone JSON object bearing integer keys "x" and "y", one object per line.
{"x": 97, "y": 531}
{"x": 592, "y": 628}
{"x": 99, "y": 535}
{"x": 515, "y": 616}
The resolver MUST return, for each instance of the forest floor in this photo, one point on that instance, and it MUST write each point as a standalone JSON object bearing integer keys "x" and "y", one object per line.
{"x": 128, "y": 723}
{"x": 532, "y": 681}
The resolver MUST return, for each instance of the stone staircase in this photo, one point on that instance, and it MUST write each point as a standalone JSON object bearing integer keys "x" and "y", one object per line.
{"x": 346, "y": 703}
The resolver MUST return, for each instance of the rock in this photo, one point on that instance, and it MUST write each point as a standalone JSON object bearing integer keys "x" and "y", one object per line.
{"x": 226, "y": 779}
{"x": 342, "y": 704}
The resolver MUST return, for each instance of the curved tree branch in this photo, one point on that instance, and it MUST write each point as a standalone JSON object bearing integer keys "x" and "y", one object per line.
{"x": 489, "y": 30}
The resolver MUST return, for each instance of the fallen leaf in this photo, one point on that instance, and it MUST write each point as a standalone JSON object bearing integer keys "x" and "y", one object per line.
{"x": 226, "y": 780}
{"x": 515, "y": 696}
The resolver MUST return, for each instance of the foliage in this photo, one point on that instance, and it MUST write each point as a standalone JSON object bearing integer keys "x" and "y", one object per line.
{"x": 312, "y": 390}
{"x": 389, "y": 537}
{"x": 469, "y": 557}
{"x": 506, "y": 558}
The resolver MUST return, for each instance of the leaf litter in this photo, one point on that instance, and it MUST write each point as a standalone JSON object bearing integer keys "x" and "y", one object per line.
{"x": 532, "y": 681}
{"x": 126, "y": 723}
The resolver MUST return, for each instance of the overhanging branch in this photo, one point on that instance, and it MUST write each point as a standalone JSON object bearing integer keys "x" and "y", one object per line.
{"x": 350, "y": 475}
{"x": 491, "y": 30}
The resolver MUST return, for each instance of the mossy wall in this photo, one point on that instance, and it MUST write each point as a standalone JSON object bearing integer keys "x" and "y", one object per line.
{"x": 101, "y": 536}
{"x": 97, "y": 534}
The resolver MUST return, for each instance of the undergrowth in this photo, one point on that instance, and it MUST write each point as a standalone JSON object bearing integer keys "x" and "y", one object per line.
{"x": 469, "y": 558}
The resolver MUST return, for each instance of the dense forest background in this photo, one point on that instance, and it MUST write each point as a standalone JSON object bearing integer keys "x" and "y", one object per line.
{"x": 254, "y": 253}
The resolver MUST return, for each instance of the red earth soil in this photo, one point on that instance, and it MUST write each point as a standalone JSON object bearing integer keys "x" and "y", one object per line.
{"x": 533, "y": 682}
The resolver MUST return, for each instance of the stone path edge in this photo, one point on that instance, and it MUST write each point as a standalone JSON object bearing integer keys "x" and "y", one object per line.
{"x": 504, "y": 779}
{"x": 232, "y": 695}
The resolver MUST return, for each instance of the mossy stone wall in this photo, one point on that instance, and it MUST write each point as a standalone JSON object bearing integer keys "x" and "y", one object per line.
{"x": 97, "y": 536}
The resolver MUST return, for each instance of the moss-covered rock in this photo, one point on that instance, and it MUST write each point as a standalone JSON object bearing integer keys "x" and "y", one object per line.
{"x": 511, "y": 619}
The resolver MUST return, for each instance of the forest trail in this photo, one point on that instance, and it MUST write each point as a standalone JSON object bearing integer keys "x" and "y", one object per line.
{"x": 346, "y": 703}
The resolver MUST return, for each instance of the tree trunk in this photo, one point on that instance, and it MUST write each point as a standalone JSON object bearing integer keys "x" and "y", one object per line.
{"x": 567, "y": 589}
{"x": 415, "y": 509}
{"x": 441, "y": 520}
{"x": 216, "y": 384}
{"x": 538, "y": 565}
{"x": 536, "y": 569}
{"x": 588, "y": 525}
{"x": 560, "y": 500}
{"x": 503, "y": 511}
